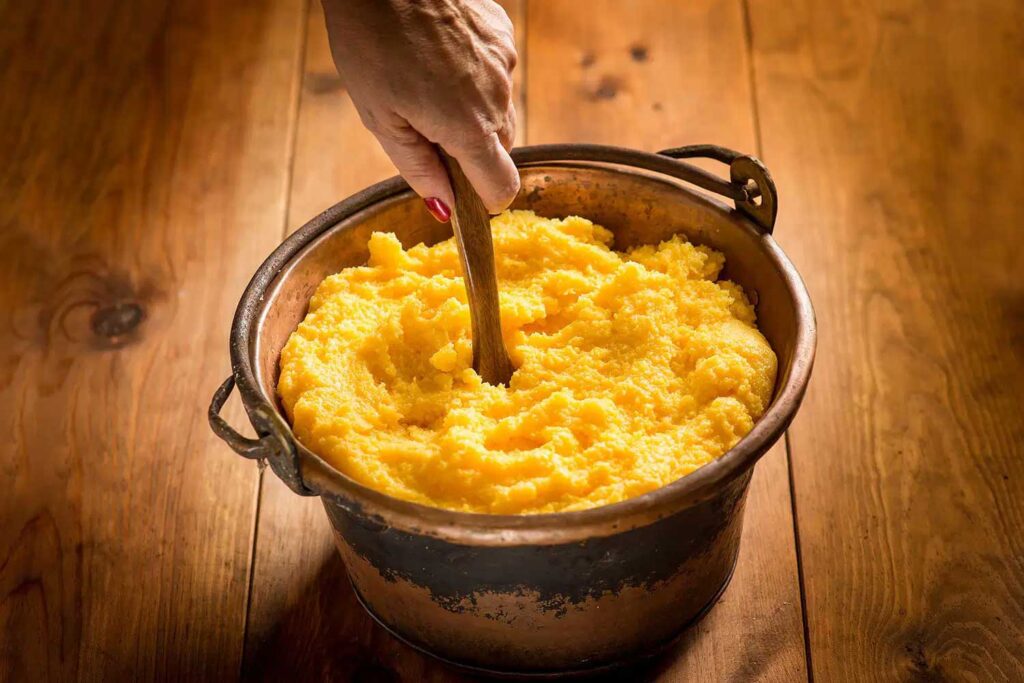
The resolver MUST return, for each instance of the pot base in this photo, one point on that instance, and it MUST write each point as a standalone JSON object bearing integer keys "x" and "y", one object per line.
{"x": 607, "y": 667}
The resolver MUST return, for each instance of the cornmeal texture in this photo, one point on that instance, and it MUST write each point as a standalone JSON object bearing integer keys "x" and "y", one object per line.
{"x": 633, "y": 370}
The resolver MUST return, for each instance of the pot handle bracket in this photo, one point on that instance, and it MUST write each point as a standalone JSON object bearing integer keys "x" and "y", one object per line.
{"x": 274, "y": 446}
{"x": 754, "y": 190}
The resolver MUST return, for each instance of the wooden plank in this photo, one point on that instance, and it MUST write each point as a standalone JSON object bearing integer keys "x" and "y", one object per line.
{"x": 893, "y": 130}
{"x": 649, "y": 75}
{"x": 304, "y": 621}
{"x": 146, "y": 149}
{"x": 652, "y": 75}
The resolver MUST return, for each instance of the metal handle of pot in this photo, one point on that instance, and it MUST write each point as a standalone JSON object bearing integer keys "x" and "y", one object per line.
{"x": 750, "y": 185}
{"x": 254, "y": 449}
{"x": 274, "y": 445}
{"x": 754, "y": 190}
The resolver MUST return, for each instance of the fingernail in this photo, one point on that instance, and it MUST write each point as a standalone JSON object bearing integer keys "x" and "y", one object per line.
{"x": 438, "y": 209}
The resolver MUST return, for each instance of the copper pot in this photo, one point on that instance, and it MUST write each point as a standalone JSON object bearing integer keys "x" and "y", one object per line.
{"x": 538, "y": 594}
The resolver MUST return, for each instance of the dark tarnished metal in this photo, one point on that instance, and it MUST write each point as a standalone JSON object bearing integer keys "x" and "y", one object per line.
{"x": 254, "y": 449}
{"x": 763, "y": 203}
{"x": 275, "y": 446}
{"x": 628, "y": 157}
{"x": 538, "y": 594}
{"x": 760, "y": 200}
{"x": 550, "y": 597}
{"x": 593, "y": 672}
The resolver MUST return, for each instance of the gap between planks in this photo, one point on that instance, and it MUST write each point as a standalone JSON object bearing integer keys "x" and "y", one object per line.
{"x": 302, "y": 38}
{"x": 748, "y": 45}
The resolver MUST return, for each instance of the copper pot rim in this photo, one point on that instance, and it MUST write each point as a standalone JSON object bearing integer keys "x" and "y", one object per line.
{"x": 546, "y": 528}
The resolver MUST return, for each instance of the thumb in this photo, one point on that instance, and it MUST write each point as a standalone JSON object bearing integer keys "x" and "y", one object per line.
{"x": 490, "y": 169}
{"x": 416, "y": 159}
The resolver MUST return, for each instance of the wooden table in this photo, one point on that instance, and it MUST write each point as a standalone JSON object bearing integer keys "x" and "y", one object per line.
{"x": 154, "y": 152}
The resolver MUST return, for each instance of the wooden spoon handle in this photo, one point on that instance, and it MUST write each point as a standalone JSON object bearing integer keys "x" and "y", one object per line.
{"x": 472, "y": 226}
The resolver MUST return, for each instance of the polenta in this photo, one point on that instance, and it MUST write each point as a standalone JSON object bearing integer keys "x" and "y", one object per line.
{"x": 633, "y": 370}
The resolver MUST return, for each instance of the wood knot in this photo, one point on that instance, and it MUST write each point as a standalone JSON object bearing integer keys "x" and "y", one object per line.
{"x": 607, "y": 88}
{"x": 919, "y": 662}
{"x": 115, "y": 323}
{"x": 90, "y": 304}
{"x": 638, "y": 53}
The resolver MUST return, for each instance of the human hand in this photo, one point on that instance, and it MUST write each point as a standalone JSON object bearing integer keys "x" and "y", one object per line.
{"x": 439, "y": 72}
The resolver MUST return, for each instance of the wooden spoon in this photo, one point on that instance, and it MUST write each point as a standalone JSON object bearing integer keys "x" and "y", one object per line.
{"x": 472, "y": 226}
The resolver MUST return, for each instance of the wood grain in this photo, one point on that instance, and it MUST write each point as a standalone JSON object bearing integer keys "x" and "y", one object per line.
{"x": 649, "y": 75}
{"x": 145, "y": 159}
{"x": 652, "y": 75}
{"x": 304, "y": 621}
{"x": 893, "y": 130}
{"x": 153, "y": 156}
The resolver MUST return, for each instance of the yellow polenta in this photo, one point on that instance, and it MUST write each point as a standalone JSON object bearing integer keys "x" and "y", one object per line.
{"x": 634, "y": 369}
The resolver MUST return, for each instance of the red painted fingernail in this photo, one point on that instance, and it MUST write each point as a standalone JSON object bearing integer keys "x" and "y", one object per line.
{"x": 438, "y": 209}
